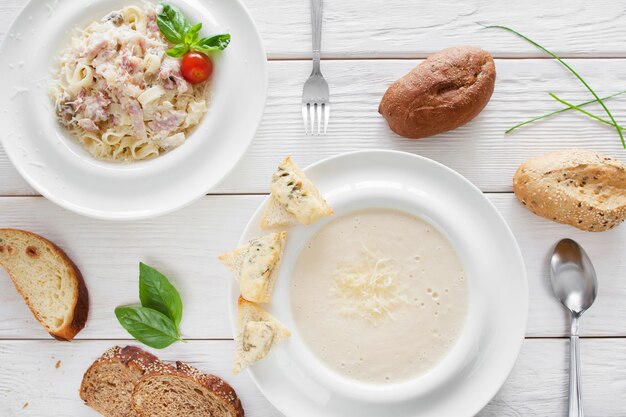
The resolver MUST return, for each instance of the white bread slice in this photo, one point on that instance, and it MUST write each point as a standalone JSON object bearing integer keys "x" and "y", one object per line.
{"x": 258, "y": 332}
{"x": 256, "y": 265}
{"x": 52, "y": 286}
{"x": 293, "y": 199}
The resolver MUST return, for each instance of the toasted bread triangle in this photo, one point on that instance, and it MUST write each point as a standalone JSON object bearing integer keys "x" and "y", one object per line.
{"x": 294, "y": 199}
{"x": 257, "y": 275}
{"x": 273, "y": 332}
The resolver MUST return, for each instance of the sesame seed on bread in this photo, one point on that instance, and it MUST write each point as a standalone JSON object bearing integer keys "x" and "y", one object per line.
{"x": 578, "y": 187}
{"x": 130, "y": 382}
{"x": 184, "y": 391}
{"x": 108, "y": 384}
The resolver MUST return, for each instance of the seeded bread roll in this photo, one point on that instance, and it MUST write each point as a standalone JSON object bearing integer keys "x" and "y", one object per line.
{"x": 50, "y": 283}
{"x": 184, "y": 391}
{"x": 578, "y": 187}
{"x": 109, "y": 382}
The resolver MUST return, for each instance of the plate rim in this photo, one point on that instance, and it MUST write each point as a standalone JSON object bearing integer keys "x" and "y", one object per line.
{"x": 233, "y": 288}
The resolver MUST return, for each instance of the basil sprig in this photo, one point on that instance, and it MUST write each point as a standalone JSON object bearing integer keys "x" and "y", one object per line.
{"x": 177, "y": 29}
{"x": 148, "y": 326}
{"x": 154, "y": 323}
{"x": 157, "y": 293}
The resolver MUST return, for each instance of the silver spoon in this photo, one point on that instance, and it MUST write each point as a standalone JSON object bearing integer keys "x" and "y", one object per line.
{"x": 575, "y": 284}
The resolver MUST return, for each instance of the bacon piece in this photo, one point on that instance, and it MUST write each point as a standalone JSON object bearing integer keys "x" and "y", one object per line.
{"x": 88, "y": 125}
{"x": 152, "y": 25}
{"x": 98, "y": 45}
{"x": 136, "y": 117}
{"x": 96, "y": 107}
{"x": 167, "y": 121}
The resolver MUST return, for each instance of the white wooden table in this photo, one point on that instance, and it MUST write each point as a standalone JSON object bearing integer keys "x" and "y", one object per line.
{"x": 366, "y": 45}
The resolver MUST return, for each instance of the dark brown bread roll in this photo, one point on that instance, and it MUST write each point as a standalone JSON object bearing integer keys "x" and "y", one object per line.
{"x": 445, "y": 91}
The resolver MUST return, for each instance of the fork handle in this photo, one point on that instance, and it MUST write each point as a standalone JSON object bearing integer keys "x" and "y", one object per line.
{"x": 316, "y": 24}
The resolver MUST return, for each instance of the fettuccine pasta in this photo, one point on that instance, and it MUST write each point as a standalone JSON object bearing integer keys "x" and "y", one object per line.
{"x": 118, "y": 92}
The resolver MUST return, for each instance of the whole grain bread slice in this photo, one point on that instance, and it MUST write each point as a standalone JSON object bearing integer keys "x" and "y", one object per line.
{"x": 184, "y": 391}
{"x": 50, "y": 283}
{"x": 109, "y": 382}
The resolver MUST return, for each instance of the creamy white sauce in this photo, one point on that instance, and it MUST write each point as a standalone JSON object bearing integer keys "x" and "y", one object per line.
{"x": 379, "y": 295}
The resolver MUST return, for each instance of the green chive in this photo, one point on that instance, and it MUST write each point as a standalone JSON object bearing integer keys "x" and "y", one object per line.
{"x": 586, "y": 103}
{"x": 614, "y": 123}
{"x": 577, "y": 108}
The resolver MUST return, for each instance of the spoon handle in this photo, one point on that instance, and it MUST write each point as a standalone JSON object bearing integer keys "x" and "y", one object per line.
{"x": 575, "y": 390}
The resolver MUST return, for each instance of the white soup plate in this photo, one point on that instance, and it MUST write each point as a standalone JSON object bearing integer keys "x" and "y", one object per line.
{"x": 297, "y": 383}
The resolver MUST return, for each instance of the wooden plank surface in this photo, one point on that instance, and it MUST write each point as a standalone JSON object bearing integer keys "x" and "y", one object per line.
{"x": 415, "y": 28}
{"x": 185, "y": 245}
{"x": 480, "y": 150}
{"x": 537, "y": 386}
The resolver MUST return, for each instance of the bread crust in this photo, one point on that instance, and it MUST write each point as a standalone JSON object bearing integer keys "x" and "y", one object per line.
{"x": 130, "y": 356}
{"x": 212, "y": 383}
{"x": 150, "y": 366}
{"x": 80, "y": 310}
{"x": 444, "y": 92}
{"x": 578, "y": 187}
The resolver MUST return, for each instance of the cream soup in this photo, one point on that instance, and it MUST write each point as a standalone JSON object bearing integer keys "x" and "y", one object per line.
{"x": 379, "y": 295}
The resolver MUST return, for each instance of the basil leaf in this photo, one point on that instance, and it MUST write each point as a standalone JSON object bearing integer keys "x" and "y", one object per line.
{"x": 193, "y": 34}
{"x": 173, "y": 24}
{"x": 156, "y": 292}
{"x": 150, "y": 327}
{"x": 178, "y": 51}
{"x": 213, "y": 43}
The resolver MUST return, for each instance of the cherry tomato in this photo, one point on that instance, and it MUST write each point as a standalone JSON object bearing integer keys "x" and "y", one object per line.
{"x": 196, "y": 67}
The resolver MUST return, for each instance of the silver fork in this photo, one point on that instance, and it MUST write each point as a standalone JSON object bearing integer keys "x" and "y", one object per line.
{"x": 315, "y": 95}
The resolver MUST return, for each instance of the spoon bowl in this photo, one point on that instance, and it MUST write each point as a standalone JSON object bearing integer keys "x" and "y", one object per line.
{"x": 573, "y": 277}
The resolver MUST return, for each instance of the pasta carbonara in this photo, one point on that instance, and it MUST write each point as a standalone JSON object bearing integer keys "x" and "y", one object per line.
{"x": 118, "y": 92}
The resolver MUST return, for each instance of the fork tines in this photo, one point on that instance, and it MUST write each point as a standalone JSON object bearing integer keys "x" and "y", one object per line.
{"x": 312, "y": 115}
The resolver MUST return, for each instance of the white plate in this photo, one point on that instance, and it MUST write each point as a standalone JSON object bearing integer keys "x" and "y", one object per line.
{"x": 298, "y": 384}
{"x": 60, "y": 169}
